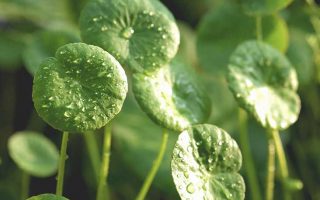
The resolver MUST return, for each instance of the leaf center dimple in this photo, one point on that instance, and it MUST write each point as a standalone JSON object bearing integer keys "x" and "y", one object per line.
{"x": 127, "y": 33}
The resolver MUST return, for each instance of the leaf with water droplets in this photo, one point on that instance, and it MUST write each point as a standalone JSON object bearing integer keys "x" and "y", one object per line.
{"x": 263, "y": 7}
{"x": 44, "y": 44}
{"x": 141, "y": 34}
{"x": 217, "y": 40}
{"x": 172, "y": 96}
{"x": 47, "y": 197}
{"x": 33, "y": 153}
{"x": 205, "y": 165}
{"x": 81, "y": 89}
{"x": 264, "y": 83}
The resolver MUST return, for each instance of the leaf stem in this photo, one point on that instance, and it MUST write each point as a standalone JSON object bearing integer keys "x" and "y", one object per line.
{"x": 93, "y": 151}
{"x": 259, "y": 28}
{"x": 270, "y": 167}
{"x": 62, "y": 159}
{"x": 283, "y": 168}
{"x": 104, "y": 168}
{"x": 155, "y": 167}
{"x": 247, "y": 157}
{"x": 25, "y": 181}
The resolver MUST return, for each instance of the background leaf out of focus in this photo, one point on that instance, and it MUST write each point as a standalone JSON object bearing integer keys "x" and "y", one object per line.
{"x": 29, "y": 27}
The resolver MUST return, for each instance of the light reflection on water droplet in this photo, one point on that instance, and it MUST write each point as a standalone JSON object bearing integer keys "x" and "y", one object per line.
{"x": 127, "y": 33}
{"x": 190, "y": 188}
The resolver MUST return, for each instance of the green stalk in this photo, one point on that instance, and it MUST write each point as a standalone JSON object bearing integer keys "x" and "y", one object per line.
{"x": 247, "y": 157}
{"x": 155, "y": 167}
{"x": 283, "y": 168}
{"x": 104, "y": 168}
{"x": 271, "y": 167}
{"x": 25, "y": 181}
{"x": 259, "y": 28}
{"x": 93, "y": 151}
{"x": 62, "y": 159}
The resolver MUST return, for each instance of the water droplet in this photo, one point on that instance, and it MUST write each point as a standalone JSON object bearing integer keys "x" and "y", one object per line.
{"x": 67, "y": 114}
{"x": 127, "y": 33}
{"x": 164, "y": 36}
{"x": 104, "y": 28}
{"x": 51, "y": 98}
{"x": 190, "y": 188}
{"x": 210, "y": 160}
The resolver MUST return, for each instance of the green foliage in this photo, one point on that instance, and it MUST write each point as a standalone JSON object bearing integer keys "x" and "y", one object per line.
{"x": 141, "y": 36}
{"x": 264, "y": 7}
{"x": 172, "y": 96}
{"x": 205, "y": 164}
{"x": 33, "y": 153}
{"x": 81, "y": 89}
{"x": 218, "y": 38}
{"x": 11, "y": 46}
{"x": 136, "y": 135}
{"x": 47, "y": 197}
{"x": 264, "y": 83}
{"x": 44, "y": 44}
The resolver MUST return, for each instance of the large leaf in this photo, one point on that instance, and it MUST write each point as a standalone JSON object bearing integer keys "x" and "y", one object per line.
{"x": 141, "y": 34}
{"x": 264, "y": 83}
{"x": 44, "y": 44}
{"x": 205, "y": 165}
{"x": 47, "y": 197}
{"x": 264, "y": 7}
{"x": 218, "y": 38}
{"x": 172, "y": 96}
{"x": 34, "y": 153}
{"x": 81, "y": 89}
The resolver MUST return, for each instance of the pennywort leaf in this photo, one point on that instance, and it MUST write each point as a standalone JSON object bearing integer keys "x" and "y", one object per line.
{"x": 216, "y": 40}
{"x": 205, "y": 165}
{"x": 172, "y": 96}
{"x": 47, "y": 197}
{"x": 264, "y": 83}
{"x": 81, "y": 89}
{"x": 141, "y": 34}
{"x": 33, "y": 153}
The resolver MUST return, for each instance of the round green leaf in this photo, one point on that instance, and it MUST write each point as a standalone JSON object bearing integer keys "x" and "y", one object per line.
{"x": 205, "y": 165}
{"x": 141, "y": 34}
{"x": 47, "y": 197}
{"x": 34, "y": 153}
{"x": 172, "y": 96}
{"x": 263, "y": 7}
{"x": 264, "y": 83}
{"x": 44, "y": 44}
{"x": 217, "y": 40}
{"x": 81, "y": 89}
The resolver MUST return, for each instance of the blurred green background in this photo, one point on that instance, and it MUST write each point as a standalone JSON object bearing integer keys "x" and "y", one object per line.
{"x": 31, "y": 30}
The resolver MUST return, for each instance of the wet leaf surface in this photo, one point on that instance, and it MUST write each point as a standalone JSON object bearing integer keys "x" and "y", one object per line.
{"x": 81, "y": 89}
{"x": 205, "y": 165}
{"x": 264, "y": 83}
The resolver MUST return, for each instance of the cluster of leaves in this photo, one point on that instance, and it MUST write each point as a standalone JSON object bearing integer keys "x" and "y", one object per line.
{"x": 83, "y": 87}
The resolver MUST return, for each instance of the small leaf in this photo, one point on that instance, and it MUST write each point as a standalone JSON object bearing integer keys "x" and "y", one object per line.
{"x": 44, "y": 44}
{"x": 217, "y": 39}
{"x": 141, "y": 34}
{"x": 47, "y": 197}
{"x": 264, "y": 83}
{"x": 205, "y": 165}
{"x": 264, "y": 7}
{"x": 172, "y": 96}
{"x": 34, "y": 153}
{"x": 81, "y": 89}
